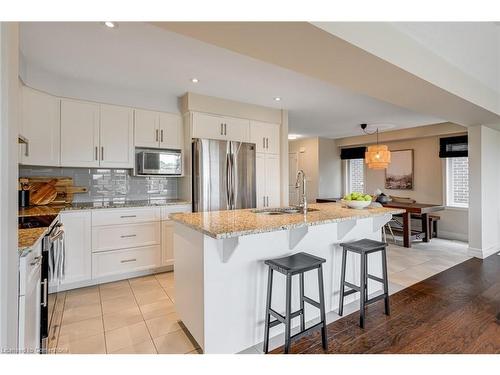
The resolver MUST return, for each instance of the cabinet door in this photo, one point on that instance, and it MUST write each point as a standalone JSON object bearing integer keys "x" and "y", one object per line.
{"x": 147, "y": 132}
{"x": 41, "y": 126}
{"x": 266, "y": 137}
{"x": 77, "y": 246}
{"x": 258, "y": 135}
{"x": 171, "y": 131}
{"x": 260, "y": 180}
{"x": 167, "y": 243}
{"x": 273, "y": 138}
{"x": 273, "y": 180}
{"x": 237, "y": 129}
{"x": 116, "y": 137}
{"x": 207, "y": 126}
{"x": 79, "y": 133}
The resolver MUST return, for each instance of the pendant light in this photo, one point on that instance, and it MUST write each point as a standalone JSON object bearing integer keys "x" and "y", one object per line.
{"x": 377, "y": 156}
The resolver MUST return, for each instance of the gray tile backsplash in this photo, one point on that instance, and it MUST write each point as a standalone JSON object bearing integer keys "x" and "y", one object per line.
{"x": 110, "y": 184}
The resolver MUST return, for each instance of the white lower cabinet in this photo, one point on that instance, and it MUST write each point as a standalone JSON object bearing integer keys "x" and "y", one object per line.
{"x": 125, "y": 236}
{"x": 111, "y": 244}
{"x": 167, "y": 243}
{"x": 77, "y": 240}
{"x": 116, "y": 262}
{"x": 267, "y": 167}
{"x": 29, "y": 301}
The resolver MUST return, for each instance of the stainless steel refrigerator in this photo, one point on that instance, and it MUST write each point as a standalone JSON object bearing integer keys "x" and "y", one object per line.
{"x": 223, "y": 175}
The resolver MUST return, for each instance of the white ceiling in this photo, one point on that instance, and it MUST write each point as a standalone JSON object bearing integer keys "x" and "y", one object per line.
{"x": 142, "y": 58}
{"x": 472, "y": 47}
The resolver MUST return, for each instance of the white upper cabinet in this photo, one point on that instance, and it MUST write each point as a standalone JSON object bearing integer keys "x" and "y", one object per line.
{"x": 266, "y": 137}
{"x": 171, "y": 134}
{"x": 158, "y": 130}
{"x": 219, "y": 127}
{"x": 39, "y": 123}
{"x": 147, "y": 132}
{"x": 79, "y": 133}
{"x": 116, "y": 137}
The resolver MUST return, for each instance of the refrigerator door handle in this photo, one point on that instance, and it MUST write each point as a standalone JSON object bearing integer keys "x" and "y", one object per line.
{"x": 228, "y": 179}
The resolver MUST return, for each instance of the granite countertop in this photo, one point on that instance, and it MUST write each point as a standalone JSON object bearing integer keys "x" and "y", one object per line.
{"x": 227, "y": 224}
{"x": 29, "y": 237}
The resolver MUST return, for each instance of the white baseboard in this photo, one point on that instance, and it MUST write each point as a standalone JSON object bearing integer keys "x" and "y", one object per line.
{"x": 483, "y": 253}
{"x": 108, "y": 279}
{"x": 452, "y": 236}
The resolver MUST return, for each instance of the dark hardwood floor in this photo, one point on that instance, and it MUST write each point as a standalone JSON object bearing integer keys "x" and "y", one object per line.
{"x": 454, "y": 311}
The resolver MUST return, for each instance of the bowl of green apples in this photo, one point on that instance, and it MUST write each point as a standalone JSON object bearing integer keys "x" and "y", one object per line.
{"x": 357, "y": 201}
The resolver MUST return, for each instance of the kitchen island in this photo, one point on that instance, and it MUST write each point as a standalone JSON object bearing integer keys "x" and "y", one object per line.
{"x": 221, "y": 279}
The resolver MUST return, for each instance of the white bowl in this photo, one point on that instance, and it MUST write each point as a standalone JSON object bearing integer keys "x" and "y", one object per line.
{"x": 357, "y": 205}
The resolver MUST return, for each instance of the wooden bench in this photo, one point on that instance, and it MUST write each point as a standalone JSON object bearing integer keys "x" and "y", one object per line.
{"x": 433, "y": 223}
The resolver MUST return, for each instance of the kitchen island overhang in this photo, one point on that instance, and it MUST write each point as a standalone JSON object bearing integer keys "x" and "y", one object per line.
{"x": 220, "y": 276}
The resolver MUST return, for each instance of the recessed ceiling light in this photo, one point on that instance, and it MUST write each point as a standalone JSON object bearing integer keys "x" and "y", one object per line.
{"x": 195, "y": 80}
{"x": 292, "y": 136}
{"x": 110, "y": 24}
{"x": 277, "y": 98}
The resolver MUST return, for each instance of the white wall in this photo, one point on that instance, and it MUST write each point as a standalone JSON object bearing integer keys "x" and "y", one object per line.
{"x": 9, "y": 260}
{"x": 484, "y": 177}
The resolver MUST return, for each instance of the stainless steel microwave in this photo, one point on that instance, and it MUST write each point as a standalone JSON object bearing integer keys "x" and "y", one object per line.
{"x": 159, "y": 162}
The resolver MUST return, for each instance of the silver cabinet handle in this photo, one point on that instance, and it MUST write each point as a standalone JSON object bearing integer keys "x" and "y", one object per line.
{"x": 156, "y": 135}
{"x": 27, "y": 149}
{"x": 102, "y": 152}
{"x": 128, "y": 260}
{"x": 267, "y": 143}
{"x": 225, "y": 129}
{"x": 128, "y": 235}
{"x": 161, "y": 135}
{"x": 263, "y": 201}
{"x": 36, "y": 261}
{"x": 263, "y": 142}
{"x": 96, "y": 153}
{"x": 126, "y": 216}
{"x": 221, "y": 129}
{"x": 45, "y": 292}
{"x": 267, "y": 199}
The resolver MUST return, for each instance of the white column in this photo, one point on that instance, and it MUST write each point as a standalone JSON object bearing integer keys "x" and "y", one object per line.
{"x": 9, "y": 259}
{"x": 484, "y": 189}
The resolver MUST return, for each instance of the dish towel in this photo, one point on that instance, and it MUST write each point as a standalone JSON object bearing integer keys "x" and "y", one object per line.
{"x": 57, "y": 260}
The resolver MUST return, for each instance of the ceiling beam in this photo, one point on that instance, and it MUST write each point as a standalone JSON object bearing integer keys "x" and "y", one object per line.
{"x": 306, "y": 49}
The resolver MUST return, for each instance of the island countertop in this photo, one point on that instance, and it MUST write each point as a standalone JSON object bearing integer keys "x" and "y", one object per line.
{"x": 235, "y": 223}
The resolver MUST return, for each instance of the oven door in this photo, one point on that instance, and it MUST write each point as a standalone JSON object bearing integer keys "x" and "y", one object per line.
{"x": 160, "y": 163}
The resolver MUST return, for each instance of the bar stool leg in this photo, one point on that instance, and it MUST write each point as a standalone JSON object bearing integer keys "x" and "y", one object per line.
{"x": 288, "y": 312}
{"x": 365, "y": 283}
{"x": 268, "y": 307}
{"x": 386, "y": 282}
{"x": 342, "y": 281}
{"x": 362, "y": 292}
{"x": 302, "y": 316}
{"x": 322, "y": 307}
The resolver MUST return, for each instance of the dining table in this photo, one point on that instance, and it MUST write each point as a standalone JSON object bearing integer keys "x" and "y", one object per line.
{"x": 422, "y": 210}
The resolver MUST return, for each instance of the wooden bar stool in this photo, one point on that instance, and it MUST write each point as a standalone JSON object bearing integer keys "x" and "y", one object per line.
{"x": 296, "y": 264}
{"x": 363, "y": 248}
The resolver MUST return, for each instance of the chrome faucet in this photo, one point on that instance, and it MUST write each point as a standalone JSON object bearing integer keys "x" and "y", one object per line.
{"x": 302, "y": 195}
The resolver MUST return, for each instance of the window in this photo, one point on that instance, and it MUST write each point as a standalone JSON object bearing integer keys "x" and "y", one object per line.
{"x": 457, "y": 182}
{"x": 356, "y": 176}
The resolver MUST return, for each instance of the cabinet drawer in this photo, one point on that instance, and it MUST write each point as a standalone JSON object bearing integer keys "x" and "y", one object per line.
{"x": 124, "y": 236}
{"x": 167, "y": 210}
{"x": 125, "y": 216}
{"x": 115, "y": 262}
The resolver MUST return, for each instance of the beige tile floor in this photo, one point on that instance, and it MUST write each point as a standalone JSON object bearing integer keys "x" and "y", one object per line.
{"x": 135, "y": 316}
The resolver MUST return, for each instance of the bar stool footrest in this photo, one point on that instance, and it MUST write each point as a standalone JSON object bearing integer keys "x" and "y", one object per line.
{"x": 307, "y": 331}
{"x": 312, "y": 302}
{"x": 375, "y": 299}
{"x": 349, "y": 292}
{"x": 352, "y": 286}
{"x": 380, "y": 280}
{"x": 281, "y": 318}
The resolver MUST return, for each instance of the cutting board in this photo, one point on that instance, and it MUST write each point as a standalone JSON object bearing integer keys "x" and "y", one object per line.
{"x": 64, "y": 188}
{"x": 44, "y": 193}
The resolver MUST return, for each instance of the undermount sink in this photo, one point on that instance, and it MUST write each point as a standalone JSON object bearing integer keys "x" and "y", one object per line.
{"x": 283, "y": 211}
